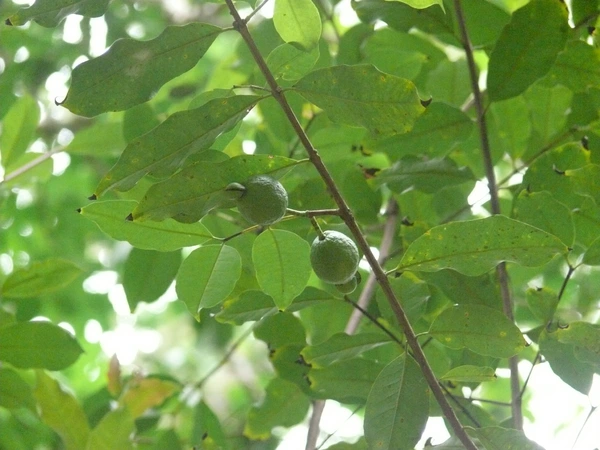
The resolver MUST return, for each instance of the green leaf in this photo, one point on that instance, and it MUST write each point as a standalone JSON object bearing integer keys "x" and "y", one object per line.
{"x": 131, "y": 71}
{"x": 207, "y": 276}
{"x": 148, "y": 274}
{"x": 164, "y": 236}
{"x": 291, "y": 63}
{"x": 474, "y": 247}
{"x": 435, "y": 133}
{"x": 147, "y": 393}
{"x": 342, "y": 346}
{"x": 470, "y": 374}
{"x": 449, "y": 83}
{"x": 420, "y": 4}
{"x": 543, "y": 211}
{"x": 585, "y": 339}
{"x": 586, "y": 181}
{"x": 191, "y": 193}
{"x": 40, "y": 278}
{"x": 542, "y": 302}
{"x": 577, "y": 67}
{"x": 207, "y": 430}
{"x": 113, "y": 431}
{"x": 509, "y": 127}
{"x": 161, "y": 151}
{"x": 363, "y": 96}
{"x": 427, "y": 175}
{"x": 298, "y": 21}
{"x": 361, "y": 444}
{"x": 591, "y": 257}
{"x": 61, "y": 411}
{"x": 14, "y": 391}
{"x": 249, "y": 307}
{"x": 280, "y": 330}
{"x": 31, "y": 345}
{"x": 484, "y": 20}
{"x": 398, "y": 406}
{"x": 564, "y": 362}
{"x": 547, "y": 109}
{"x": 527, "y": 48}
{"x": 497, "y": 438}
{"x": 18, "y": 129}
{"x": 414, "y": 295}
{"x": 49, "y": 13}
{"x": 284, "y": 405}
{"x": 347, "y": 381}
{"x": 282, "y": 263}
{"x": 480, "y": 329}
{"x": 99, "y": 139}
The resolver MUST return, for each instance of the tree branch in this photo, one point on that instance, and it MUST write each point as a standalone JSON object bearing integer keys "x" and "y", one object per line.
{"x": 31, "y": 164}
{"x": 349, "y": 220}
{"x": 486, "y": 153}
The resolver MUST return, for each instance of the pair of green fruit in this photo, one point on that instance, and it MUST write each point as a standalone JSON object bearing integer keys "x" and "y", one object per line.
{"x": 334, "y": 257}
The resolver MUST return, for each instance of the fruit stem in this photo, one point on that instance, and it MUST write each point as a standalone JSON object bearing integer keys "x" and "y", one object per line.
{"x": 314, "y": 212}
{"x": 317, "y": 228}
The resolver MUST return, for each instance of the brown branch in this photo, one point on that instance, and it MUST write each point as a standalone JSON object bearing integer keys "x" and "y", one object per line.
{"x": 517, "y": 413}
{"x": 350, "y": 221}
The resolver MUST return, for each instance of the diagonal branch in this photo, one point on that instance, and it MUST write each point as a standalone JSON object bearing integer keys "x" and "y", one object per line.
{"x": 486, "y": 153}
{"x": 348, "y": 217}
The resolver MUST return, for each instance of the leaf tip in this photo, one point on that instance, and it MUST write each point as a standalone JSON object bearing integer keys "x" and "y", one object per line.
{"x": 8, "y": 22}
{"x": 93, "y": 197}
{"x": 426, "y": 103}
{"x": 78, "y": 210}
{"x": 129, "y": 218}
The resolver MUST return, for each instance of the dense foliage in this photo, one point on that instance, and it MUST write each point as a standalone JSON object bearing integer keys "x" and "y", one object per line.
{"x": 456, "y": 142}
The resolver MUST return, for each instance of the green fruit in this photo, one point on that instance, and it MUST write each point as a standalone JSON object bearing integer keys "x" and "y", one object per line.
{"x": 348, "y": 287}
{"x": 263, "y": 200}
{"x": 334, "y": 258}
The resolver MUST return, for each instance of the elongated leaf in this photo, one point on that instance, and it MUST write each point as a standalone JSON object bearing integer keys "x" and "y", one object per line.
{"x": 207, "y": 430}
{"x": 363, "y": 96}
{"x": 427, "y": 175}
{"x": 435, "y": 133}
{"x": 280, "y": 330}
{"x": 509, "y": 127}
{"x": 130, "y": 72}
{"x": 476, "y": 246}
{"x": 40, "y": 278}
{"x": 527, "y": 47}
{"x": 342, "y": 346}
{"x": 161, "y": 151}
{"x": 250, "y": 306}
{"x": 470, "y": 374}
{"x": 282, "y": 263}
{"x": 31, "y": 345}
{"x": 61, "y": 411}
{"x": 585, "y": 337}
{"x": 49, "y": 13}
{"x": 14, "y": 391}
{"x": 291, "y": 63}
{"x": 564, "y": 362}
{"x": 284, "y": 405}
{"x": 207, "y": 276}
{"x": 591, "y": 257}
{"x": 547, "y": 109}
{"x": 420, "y": 4}
{"x": 188, "y": 195}
{"x": 18, "y": 129}
{"x": 542, "y": 302}
{"x": 543, "y": 211}
{"x": 497, "y": 438}
{"x": 480, "y": 329}
{"x": 164, "y": 236}
{"x": 147, "y": 393}
{"x": 398, "y": 406}
{"x": 298, "y": 21}
{"x": 113, "y": 431}
{"x": 148, "y": 274}
{"x": 577, "y": 67}
{"x": 100, "y": 139}
{"x": 345, "y": 381}
{"x": 586, "y": 181}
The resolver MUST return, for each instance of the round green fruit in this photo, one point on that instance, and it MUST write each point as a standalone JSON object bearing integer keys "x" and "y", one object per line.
{"x": 263, "y": 200}
{"x": 334, "y": 257}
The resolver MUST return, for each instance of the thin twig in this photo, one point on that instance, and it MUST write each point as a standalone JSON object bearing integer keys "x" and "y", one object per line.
{"x": 31, "y": 164}
{"x": 348, "y": 218}
{"x": 486, "y": 153}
